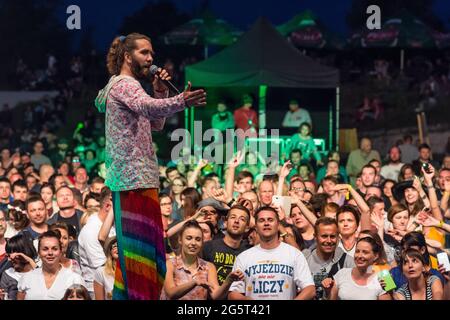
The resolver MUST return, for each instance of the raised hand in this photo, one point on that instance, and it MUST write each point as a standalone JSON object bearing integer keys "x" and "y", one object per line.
{"x": 220, "y": 195}
{"x": 194, "y": 98}
{"x": 341, "y": 187}
{"x": 416, "y": 184}
{"x": 287, "y": 166}
{"x": 377, "y": 221}
{"x": 236, "y": 160}
{"x": 428, "y": 177}
{"x": 202, "y": 163}
{"x": 199, "y": 216}
{"x": 443, "y": 272}
{"x": 280, "y": 211}
{"x": 427, "y": 220}
{"x": 158, "y": 83}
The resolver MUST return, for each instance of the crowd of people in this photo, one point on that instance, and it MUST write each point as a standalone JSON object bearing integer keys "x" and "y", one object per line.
{"x": 305, "y": 226}
{"x": 368, "y": 229}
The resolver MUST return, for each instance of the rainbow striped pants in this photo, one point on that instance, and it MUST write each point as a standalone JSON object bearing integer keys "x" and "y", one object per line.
{"x": 141, "y": 268}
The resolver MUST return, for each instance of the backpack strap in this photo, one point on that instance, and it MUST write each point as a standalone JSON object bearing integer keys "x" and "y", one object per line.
{"x": 337, "y": 266}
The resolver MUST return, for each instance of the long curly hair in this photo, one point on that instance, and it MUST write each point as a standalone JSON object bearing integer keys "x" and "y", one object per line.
{"x": 120, "y": 46}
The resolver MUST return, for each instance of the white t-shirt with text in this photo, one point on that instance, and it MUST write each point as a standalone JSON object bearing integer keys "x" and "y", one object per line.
{"x": 275, "y": 274}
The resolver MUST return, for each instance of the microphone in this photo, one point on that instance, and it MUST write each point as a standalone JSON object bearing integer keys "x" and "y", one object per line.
{"x": 154, "y": 71}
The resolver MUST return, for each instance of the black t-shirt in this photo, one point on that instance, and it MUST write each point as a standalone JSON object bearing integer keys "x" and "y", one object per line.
{"x": 222, "y": 256}
{"x": 73, "y": 222}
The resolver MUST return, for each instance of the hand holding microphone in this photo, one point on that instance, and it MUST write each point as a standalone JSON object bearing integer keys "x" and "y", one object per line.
{"x": 162, "y": 83}
{"x": 162, "y": 80}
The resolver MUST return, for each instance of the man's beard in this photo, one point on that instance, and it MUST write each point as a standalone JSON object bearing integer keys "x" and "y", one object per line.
{"x": 138, "y": 70}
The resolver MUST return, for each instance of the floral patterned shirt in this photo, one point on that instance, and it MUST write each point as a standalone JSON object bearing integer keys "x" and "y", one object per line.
{"x": 181, "y": 275}
{"x": 131, "y": 115}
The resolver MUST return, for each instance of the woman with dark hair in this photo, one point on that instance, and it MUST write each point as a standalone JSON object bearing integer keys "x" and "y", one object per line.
{"x": 291, "y": 235}
{"x": 386, "y": 187}
{"x": 177, "y": 186}
{"x": 305, "y": 142}
{"x": 47, "y": 193}
{"x": 386, "y": 256}
{"x": 208, "y": 229}
{"x": 64, "y": 169}
{"x": 420, "y": 285}
{"x": 17, "y": 218}
{"x": 76, "y": 292}
{"x": 398, "y": 216}
{"x": 413, "y": 196}
{"x": 63, "y": 230}
{"x": 348, "y": 218}
{"x": 21, "y": 254}
{"x": 190, "y": 197}
{"x": 189, "y": 277}
{"x": 303, "y": 225}
{"x": 52, "y": 280}
{"x": 360, "y": 282}
{"x": 414, "y": 240}
{"x": 406, "y": 173}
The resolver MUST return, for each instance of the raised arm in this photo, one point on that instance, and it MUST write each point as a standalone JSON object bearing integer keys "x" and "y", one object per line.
{"x": 106, "y": 226}
{"x": 434, "y": 205}
{"x": 445, "y": 198}
{"x": 284, "y": 172}
{"x": 365, "y": 221}
{"x": 132, "y": 94}
{"x": 229, "y": 179}
{"x": 193, "y": 178}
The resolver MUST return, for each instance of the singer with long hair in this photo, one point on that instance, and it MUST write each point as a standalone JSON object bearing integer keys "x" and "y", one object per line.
{"x": 132, "y": 169}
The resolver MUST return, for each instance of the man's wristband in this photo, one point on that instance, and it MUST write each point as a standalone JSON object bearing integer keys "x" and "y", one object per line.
{"x": 441, "y": 224}
{"x": 231, "y": 202}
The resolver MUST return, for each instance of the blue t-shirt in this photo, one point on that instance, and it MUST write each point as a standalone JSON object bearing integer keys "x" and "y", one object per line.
{"x": 400, "y": 279}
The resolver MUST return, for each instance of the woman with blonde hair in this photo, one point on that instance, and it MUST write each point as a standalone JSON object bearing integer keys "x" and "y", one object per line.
{"x": 104, "y": 276}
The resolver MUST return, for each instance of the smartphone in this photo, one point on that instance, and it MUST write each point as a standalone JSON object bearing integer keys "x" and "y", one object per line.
{"x": 284, "y": 202}
{"x": 385, "y": 275}
{"x": 426, "y": 167}
{"x": 443, "y": 259}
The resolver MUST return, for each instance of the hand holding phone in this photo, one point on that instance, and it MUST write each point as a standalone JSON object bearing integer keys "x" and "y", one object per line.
{"x": 426, "y": 167}
{"x": 283, "y": 202}
{"x": 443, "y": 260}
{"x": 388, "y": 281}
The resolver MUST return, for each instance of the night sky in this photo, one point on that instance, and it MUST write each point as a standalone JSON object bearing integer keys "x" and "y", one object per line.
{"x": 106, "y": 16}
